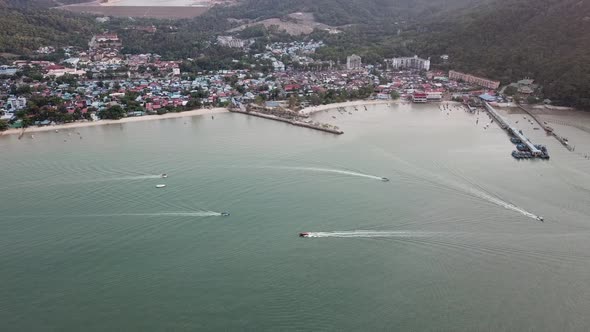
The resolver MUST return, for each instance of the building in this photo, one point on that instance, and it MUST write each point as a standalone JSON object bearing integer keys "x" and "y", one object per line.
{"x": 455, "y": 75}
{"x": 16, "y": 103}
{"x": 434, "y": 96}
{"x": 278, "y": 66}
{"x": 107, "y": 40}
{"x": 8, "y": 70}
{"x": 230, "y": 41}
{"x": 353, "y": 62}
{"x": 58, "y": 71}
{"x": 410, "y": 63}
{"x": 525, "y": 86}
{"x": 419, "y": 97}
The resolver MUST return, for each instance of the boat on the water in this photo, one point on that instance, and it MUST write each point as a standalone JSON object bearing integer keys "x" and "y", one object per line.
{"x": 539, "y": 218}
{"x": 225, "y": 214}
{"x": 304, "y": 234}
{"x": 164, "y": 175}
{"x": 160, "y": 185}
{"x": 384, "y": 179}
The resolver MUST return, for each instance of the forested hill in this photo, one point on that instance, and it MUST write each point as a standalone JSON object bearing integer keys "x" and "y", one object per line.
{"x": 548, "y": 40}
{"x": 24, "y": 30}
{"x": 341, "y": 12}
{"x": 36, "y": 3}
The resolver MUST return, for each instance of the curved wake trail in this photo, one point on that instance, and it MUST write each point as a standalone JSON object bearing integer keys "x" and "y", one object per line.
{"x": 502, "y": 203}
{"x": 158, "y": 214}
{"x": 371, "y": 234}
{"x": 330, "y": 170}
{"x": 110, "y": 215}
{"x": 459, "y": 187}
{"x": 41, "y": 183}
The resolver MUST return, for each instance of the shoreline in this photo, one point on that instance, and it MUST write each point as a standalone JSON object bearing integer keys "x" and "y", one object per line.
{"x": 314, "y": 109}
{"x": 72, "y": 125}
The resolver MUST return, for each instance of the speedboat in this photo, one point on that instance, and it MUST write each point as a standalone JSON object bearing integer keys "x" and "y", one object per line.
{"x": 225, "y": 214}
{"x": 385, "y": 179}
{"x": 160, "y": 185}
{"x": 304, "y": 234}
{"x": 539, "y": 218}
{"x": 164, "y": 175}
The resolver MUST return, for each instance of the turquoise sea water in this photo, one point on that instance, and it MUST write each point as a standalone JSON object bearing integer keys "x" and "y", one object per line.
{"x": 89, "y": 244}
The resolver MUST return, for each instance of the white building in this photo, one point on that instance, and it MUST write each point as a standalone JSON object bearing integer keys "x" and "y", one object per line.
{"x": 353, "y": 62}
{"x": 230, "y": 41}
{"x": 62, "y": 71}
{"x": 8, "y": 70}
{"x": 411, "y": 63}
{"x": 16, "y": 103}
{"x": 278, "y": 66}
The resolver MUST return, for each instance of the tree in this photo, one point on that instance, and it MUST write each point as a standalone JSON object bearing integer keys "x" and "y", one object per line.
{"x": 510, "y": 90}
{"x": 532, "y": 100}
{"x": 293, "y": 102}
{"x": 394, "y": 95}
{"x": 114, "y": 112}
{"x": 259, "y": 100}
{"x": 3, "y": 125}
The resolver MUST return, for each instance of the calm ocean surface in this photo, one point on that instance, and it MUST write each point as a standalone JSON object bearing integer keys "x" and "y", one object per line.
{"x": 448, "y": 244}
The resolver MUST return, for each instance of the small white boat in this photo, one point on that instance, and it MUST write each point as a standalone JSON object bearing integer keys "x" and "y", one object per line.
{"x": 160, "y": 185}
{"x": 163, "y": 176}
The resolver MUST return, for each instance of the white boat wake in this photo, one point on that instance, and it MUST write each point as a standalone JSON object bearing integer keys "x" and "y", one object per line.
{"x": 159, "y": 214}
{"x": 331, "y": 170}
{"x": 110, "y": 215}
{"x": 371, "y": 234}
{"x": 503, "y": 204}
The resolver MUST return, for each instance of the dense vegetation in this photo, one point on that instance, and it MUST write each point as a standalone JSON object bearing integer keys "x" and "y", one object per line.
{"x": 341, "y": 12}
{"x": 25, "y": 30}
{"x": 501, "y": 39}
{"x": 548, "y": 40}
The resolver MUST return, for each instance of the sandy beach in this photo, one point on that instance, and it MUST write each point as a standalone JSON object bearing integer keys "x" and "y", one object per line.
{"x": 202, "y": 111}
{"x": 319, "y": 108}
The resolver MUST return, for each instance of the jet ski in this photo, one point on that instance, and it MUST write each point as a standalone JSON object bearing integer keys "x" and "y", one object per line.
{"x": 304, "y": 234}
{"x": 385, "y": 179}
{"x": 225, "y": 214}
{"x": 539, "y": 218}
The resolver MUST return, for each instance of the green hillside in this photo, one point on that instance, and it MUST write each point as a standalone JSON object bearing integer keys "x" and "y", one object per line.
{"x": 548, "y": 40}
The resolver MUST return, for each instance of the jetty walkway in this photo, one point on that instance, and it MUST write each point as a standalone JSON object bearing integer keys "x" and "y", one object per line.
{"x": 513, "y": 130}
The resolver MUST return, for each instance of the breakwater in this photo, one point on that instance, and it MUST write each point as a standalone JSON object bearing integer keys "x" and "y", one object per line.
{"x": 321, "y": 127}
{"x": 549, "y": 130}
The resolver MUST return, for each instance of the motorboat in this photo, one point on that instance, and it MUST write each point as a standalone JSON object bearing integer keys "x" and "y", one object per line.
{"x": 385, "y": 179}
{"x": 225, "y": 214}
{"x": 539, "y": 218}
{"x": 160, "y": 185}
{"x": 164, "y": 175}
{"x": 304, "y": 234}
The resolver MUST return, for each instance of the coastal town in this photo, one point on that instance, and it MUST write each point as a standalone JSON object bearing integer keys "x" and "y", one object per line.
{"x": 102, "y": 83}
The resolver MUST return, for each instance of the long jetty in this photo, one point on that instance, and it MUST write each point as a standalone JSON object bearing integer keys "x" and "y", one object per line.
{"x": 289, "y": 121}
{"x": 512, "y": 130}
{"x": 547, "y": 129}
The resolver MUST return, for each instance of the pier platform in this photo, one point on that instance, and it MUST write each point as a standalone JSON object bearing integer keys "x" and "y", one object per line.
{"x": 504, "y": 124}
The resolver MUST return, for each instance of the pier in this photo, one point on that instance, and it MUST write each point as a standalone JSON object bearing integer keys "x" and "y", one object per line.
{"x": 548, "y": 129}
{"x": 535, "y": 150}
{"x": 239, "y": 108}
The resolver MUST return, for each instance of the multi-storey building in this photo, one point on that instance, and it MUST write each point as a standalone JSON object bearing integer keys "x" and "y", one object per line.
{"x": 353, "y": 62}
{"x": 410, "y": 63}
{"x": 455, "y": 75}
